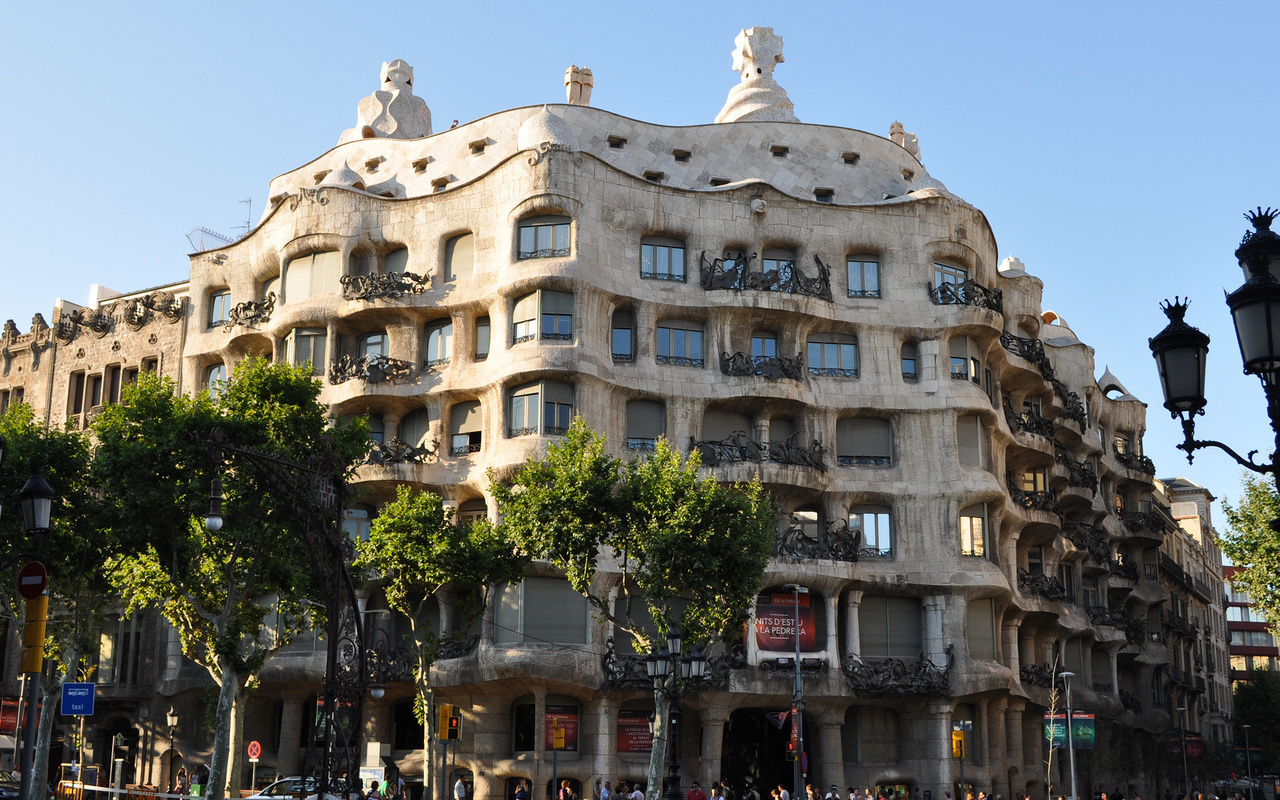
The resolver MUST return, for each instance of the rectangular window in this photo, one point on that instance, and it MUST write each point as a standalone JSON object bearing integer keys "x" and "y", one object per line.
{"x": 459, "y": 257}
{"x": 646, "y": 422}
{"x": 557, "y": 315}
{"x": 623, "y": 333}
{"x": 864, "y": 442}
{"x": 312, "y": 275}
{"x": 834, "y": 354}
{"x": 482, "y": 338}
{"x": 439, "y": 343}
{"x": 540, "y": 611}
{"x": 307, "y": 345}
{"x": 465, "y": 428}
{"x": 112, "y": 379}
{"x": 864, "y": 277}
{"x": 945, "y": 273}
{"x": 662, "y": 262}
{"x": 524, "y": 319}
{"x": 763, "y": 346}
{"x": 95, "y": 391}
{"x": 910, "y": 361}
{"x": 891, "y": 627}
{"x": 75, "y": 395}
{"x": 1089, "y": 592}
{"x": 973, "y": 531}
{"x": 680, "y": 343}
{"x": 1067, "y": 575}
{"x": 876, "y": 526}
{"x": 219, "y": 308}
{"x": 543, "y": 237}
{"x": 980, "y": 625}
{"x": 971, "y": 439}
{"x": 371, "y": 345}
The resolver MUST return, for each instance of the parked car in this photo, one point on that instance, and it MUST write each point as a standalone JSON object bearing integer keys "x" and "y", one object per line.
{"x": 286, "y": 788}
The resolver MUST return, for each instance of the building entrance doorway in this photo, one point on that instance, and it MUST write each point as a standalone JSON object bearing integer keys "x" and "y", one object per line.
{"x": 755, "y": 750}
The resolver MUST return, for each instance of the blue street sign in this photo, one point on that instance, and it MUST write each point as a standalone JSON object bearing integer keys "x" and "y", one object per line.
{"x": 77, "y": 699}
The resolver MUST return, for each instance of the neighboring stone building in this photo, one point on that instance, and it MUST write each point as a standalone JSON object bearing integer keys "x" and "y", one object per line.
{"x": 803, "y": 303}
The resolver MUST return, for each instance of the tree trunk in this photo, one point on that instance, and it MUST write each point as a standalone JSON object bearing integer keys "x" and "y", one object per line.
{"x": 227, "y": 687}
{"x": 661, "y": 739}
{"x": 235, "y": 770}
{"x": 51, "y": 692}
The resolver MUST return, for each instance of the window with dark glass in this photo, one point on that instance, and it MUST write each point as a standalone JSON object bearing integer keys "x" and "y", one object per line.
{"x": 474, "y": 510}
{"x": 439, "y": 343}
{"x": 910, "y": 361}
{"x": 833, "y": 354}
{"x": 864, "y": 442}
{"x": 891, "y": 627}
{"x": 307, "y": 345}
{"x": 946, "y": 273}
{"x": 543, "y": 237}
{"x": 864, "y": 277}
{"x": 777, "y": 260}
{"x": 219, "y": 307}
{"x": 981, "y": 630}
{"x": 662, "y": 259}
{"x": 680, "y": 343}
{"x": 966, "y": 362}
{"x": 764, "y": 345}
{"x": 557, "y": 315}
{"x": 377, "y": 427}
{"x": 622, "y": 338}
{"x": 459, "y": 257}
{"x": 552, "y": 399}
{"x": 646, "y": 423}
{"x": 524, "y": 721}
{"x": 465, "y": 428}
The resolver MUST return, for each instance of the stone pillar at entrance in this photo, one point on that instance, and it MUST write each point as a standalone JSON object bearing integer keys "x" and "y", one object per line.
{"x": 1013, "y": 738}
{"x": 713, "y": 720}
{"x": 290, "y": 734}
{"x": 831, "y": 752}
{"x": 852, "y": 633}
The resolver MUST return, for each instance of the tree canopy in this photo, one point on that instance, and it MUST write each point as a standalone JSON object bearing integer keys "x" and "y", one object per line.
{"x": 217, "y": 588}
{"x": 1254, "y": 546}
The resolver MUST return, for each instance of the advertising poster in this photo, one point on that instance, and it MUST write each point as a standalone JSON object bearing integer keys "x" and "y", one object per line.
{"x": 567, "y": 716}
{"x": 633, "y": 732}
{"x": 1055, "y": 729}
{"x": 1082, "y": 729}
{"x": 1195, "y": 747}
{"x": 9, "y": 715}
{"x": 776, "y": 623}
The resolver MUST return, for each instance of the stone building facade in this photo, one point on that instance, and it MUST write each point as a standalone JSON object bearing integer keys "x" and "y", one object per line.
{"x": 966, "y": 503}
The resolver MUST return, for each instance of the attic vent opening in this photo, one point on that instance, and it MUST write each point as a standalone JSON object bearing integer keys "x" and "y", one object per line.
{"x": 372, "y": 164}
{"x": 617, "y": 142}
{"x": 719, "y": 181}
{"x": 681, "y": 156}
{"x": 823, "y": 194}
{"x": 779, "y": 150}
{"x": 477, "y": 147}
{"x": 319, "y": 176}
{"x": 438, "y": 184}
{"x": 908, "y": 174}
{"x": 420, "y": 164}
{"x": 851, "y": 158}
{"x": 654, "y": 175}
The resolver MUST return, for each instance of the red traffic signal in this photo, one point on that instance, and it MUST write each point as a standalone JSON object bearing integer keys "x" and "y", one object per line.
{"x": 793, "y": 752}
{"x": 455, "y": 724}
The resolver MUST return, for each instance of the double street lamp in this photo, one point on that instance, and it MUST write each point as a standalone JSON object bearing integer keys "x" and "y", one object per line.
{"x": 673, "y": 677}
{"x": 1181, "y": 350}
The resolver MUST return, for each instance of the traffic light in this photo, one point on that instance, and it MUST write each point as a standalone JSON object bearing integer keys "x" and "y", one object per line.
{"x": 455, "y": 723}
{"x": 32, "y": 659}
{"x": 557, "y": 738}
{"x": 444, "y": 720}
{"x": 793, "y": 752}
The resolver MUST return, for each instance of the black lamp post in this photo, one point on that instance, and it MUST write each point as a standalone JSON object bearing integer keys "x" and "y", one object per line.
{"x": 1180, "y": 350}
{"x": 1248, "y": 759}
{"x": 674, "y": 677}
{"x": 37, "y": 504}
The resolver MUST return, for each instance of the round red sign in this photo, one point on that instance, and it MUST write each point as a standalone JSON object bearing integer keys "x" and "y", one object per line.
{"x": 255, "y": 749}
{"x": 33, "y": 580}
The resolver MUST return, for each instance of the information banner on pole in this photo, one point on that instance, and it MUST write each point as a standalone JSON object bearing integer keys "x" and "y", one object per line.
{"x": 1082, "y": 729}
{"x": 77, "y": 699}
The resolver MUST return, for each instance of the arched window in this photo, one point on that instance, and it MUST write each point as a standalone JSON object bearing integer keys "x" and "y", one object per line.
{"x": 973, "y": 531}
{"x": 439, "y": 344}
{"x": 396, "y": 261}
{"x": 372, "y": 345}
{"x": 459, "y": 257}
{"x": 215, "y": 378}
{"x": 470, "y": 511}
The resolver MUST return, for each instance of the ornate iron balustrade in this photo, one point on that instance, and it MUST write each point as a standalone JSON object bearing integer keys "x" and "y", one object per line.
{"x": 554, "y": 430}
{"x": 966, "y": 293}
{"x": 464, "y": 449}
{"x": 1101, "y": 615}
{"x": 833, "y": 372}
{"x": 1035, "y": 500}
{"x": 432, "y": 363}
{"x": 564, "y": 337}
{"x": 1072, "y": 407}
{"x": 864, "y": 461}
{"x": 546, "y": 252}
{"x": 1028, "y": 420}
{"x": 1131, "y": 701}
{"x": 680, "y": 361}
{"x": 518, "y": 432}
{"x": 390, "y": 285}
{"x": 1030, "y": 350}
{"x": 1046, "y": 586}
{"x": 1123, "y": 569}
{"x": 252, "y": 312}
{"x": 835, "y": 543}
{"x": 1136, "y": 462}
{"x": 1037, "y": 675}
{"x": 1079, "y": 473}
{"x": 1178, "y": 625}
{"x": 663, "y": 276}
{"x": 771, "y": 367}
{"x": 1102, "y": 688}
{"x": 1139, "y": 520}
{"x": 394, "y": 451}
{"x": 627, "y": 671}
{"x": 893, "y": 677}
{"x": 1135, "y": 630}
{"x": 456, "y": 648}
{"x": 787, "y": 278}
{"x": 809, "y": 665}
{"x": 641, "y": 444}
{"x": 370, "y": 369}
{"x": 1088, "y": 538}
{"x": 624, "y": 357}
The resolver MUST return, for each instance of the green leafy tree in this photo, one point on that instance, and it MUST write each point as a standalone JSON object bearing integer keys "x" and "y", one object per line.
{"x": 421, "y": 555}
{"x": 692, "y": 551}
{"x": 239, "y": 594}
{"x": 1254, "y": 545}
{"x": 73, "y": 551}
{"x": 1257, "y": 704}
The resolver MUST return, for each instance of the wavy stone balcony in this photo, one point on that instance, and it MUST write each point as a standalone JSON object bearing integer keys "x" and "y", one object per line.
{"x": 1136, "y": 462}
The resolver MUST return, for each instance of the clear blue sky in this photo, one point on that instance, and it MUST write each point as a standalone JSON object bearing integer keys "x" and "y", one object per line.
{"x": 1113, "y": 146}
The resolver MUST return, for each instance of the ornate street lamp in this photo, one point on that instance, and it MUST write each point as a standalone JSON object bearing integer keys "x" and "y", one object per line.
{"x": 37, "y": 505}
{"x": 1071, "y": 742}
{"x": 1181, "y": 350}
{"x": 674, "y": 677}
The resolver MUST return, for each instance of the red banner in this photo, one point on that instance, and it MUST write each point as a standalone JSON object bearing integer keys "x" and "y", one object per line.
{"x": 567, "y": 716}
{"x": 776, "y": 623}
{"x": 9, "y": 715}
{"x": 634, "y": 735}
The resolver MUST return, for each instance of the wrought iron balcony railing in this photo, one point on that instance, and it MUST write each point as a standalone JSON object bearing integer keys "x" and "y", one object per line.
{"x": 1079, "y": 473}
{"x": 770, "y": 367}
{"x": 966, "y": 293}
{"x": 1031, "y": 350}
{"x": 390, "y": 285}
{"x": 1039, "y": 500}
{"x": 1046, "y": 586}
{"x": 835, "y": 542}
{"x": 891, "y": 677}
{"x": 370, "y": 369}
{"x": 741, "y": 447}
{"x": 1028, "y": 420}
{"x": 736, "y": 274}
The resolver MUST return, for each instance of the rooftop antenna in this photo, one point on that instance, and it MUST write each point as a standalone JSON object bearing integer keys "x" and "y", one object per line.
{"x": 248, "y": 215}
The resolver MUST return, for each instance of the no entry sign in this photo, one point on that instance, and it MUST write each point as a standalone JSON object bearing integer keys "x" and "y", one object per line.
{"x": 33, "y": 580}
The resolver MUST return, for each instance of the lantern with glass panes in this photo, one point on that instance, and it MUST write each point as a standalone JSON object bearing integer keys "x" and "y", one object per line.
{"x": 674, "y": 676}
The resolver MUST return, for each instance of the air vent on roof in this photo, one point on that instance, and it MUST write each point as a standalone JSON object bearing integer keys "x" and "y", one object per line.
{"x": 851, "y": 158}
{"x": 654, "y": 175}
{"x": 617, "y": 142}
{"x": 372, "y": 164}
{"x": 779, "y": 150}
{"x": 682, "y": 156}
{"x": 823, "y": 194}
{"x": 319, "y": 176}
{"x": 719, "y": 181}
{"x": 477, "y": 147}
{"x": 420, "y": 164}
{"x": 438, "y": 184}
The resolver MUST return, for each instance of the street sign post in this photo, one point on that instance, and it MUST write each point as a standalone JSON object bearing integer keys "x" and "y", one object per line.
{"x": 77, "y": 699}
{"x": 33, "y": 580}
{"x": 255, "y": 751}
